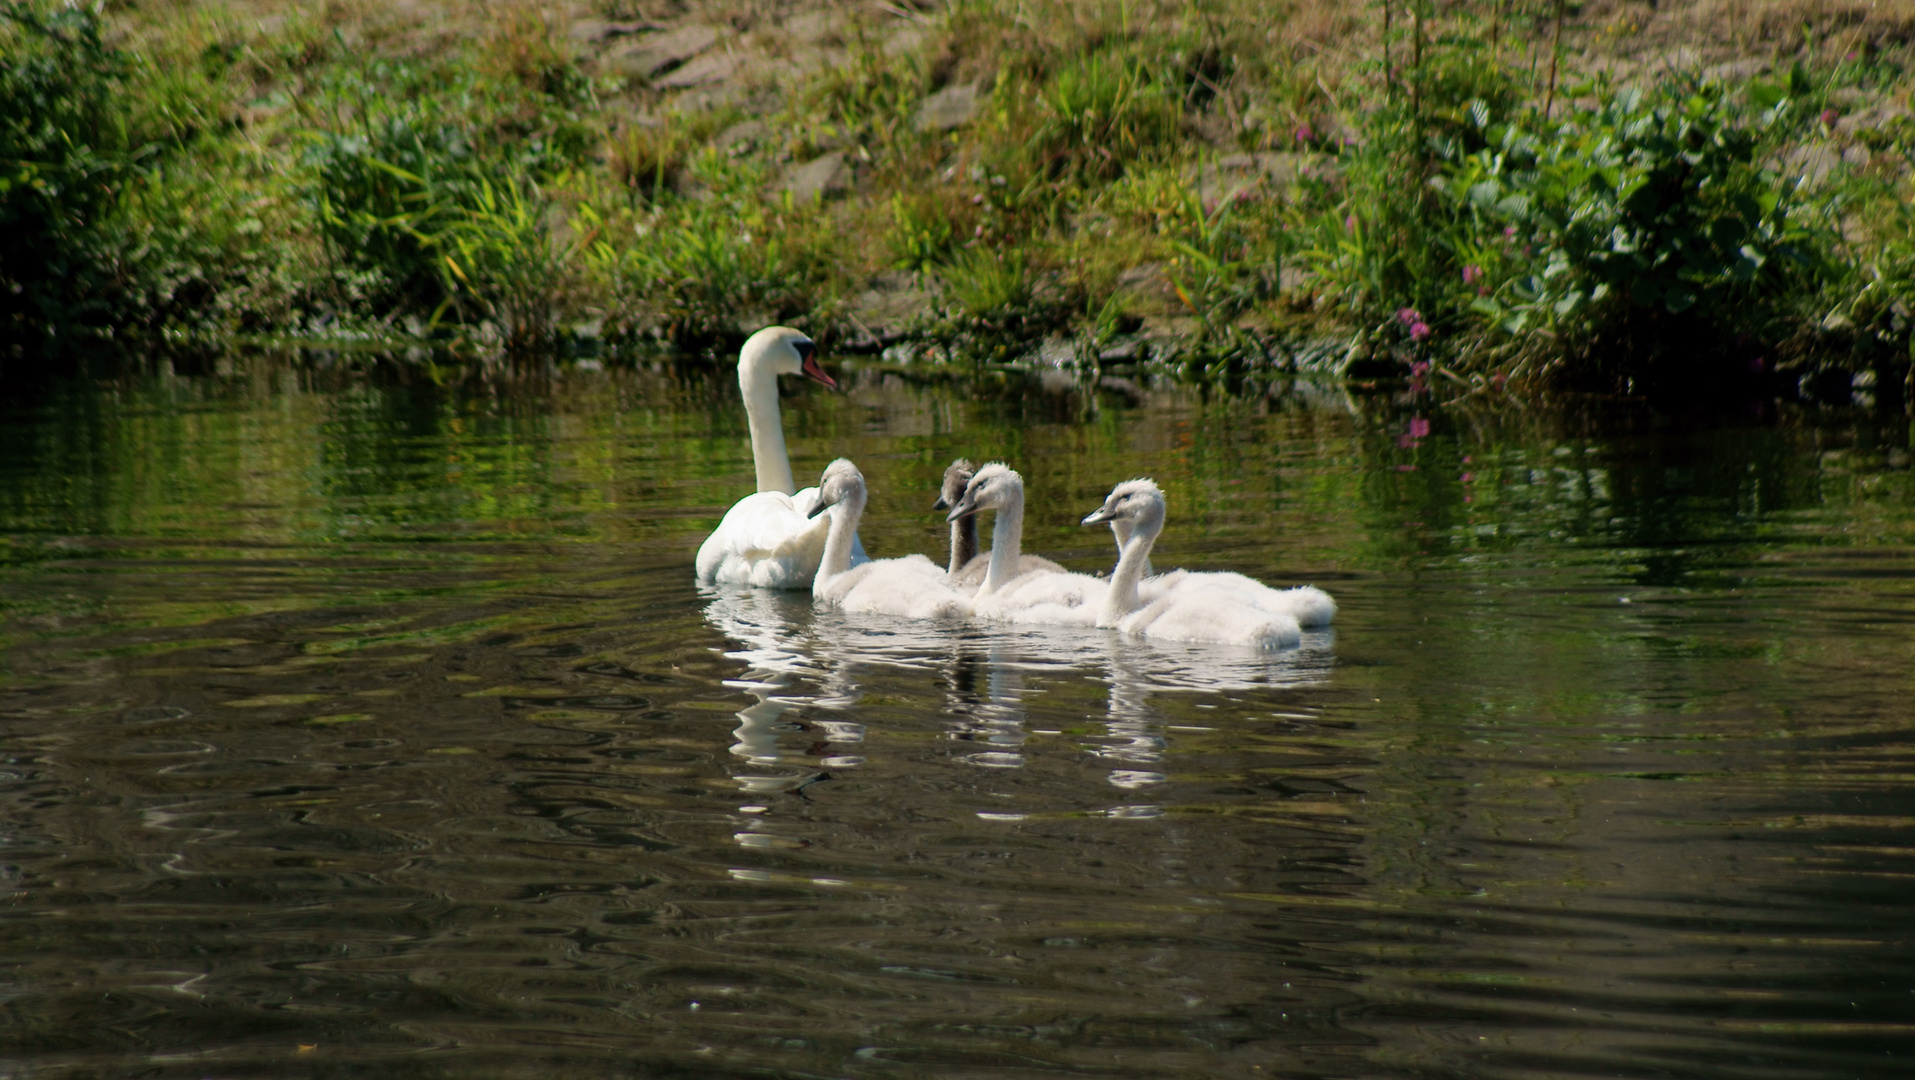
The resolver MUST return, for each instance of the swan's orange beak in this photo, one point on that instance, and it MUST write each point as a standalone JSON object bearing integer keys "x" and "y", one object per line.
{"x": 810, "y": 368}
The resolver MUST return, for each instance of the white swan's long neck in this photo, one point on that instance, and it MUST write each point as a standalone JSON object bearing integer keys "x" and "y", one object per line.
{"x": 758, "y": 385}
{"x": 1121, "y": 598}
{"x": 1007, "y": 541}
{"x": 963, "y": 542}
{"x": 1121, "y": 528}
{"x": 844, "y": 529}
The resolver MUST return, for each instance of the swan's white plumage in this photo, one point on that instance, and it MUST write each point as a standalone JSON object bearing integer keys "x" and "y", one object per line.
{"x": 912, "y": 586}
{"x": 1211, "y": 613}
{"x": 968, "y": 568}
{"x": 1309, "y": 605}
{"x": 1191, "y": 607}
{"x": 768, "y": 538}
{"x": 1012, "y": 581}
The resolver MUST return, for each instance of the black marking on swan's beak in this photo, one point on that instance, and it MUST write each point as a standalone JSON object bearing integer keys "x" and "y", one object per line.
{"x": 808, "y": 363}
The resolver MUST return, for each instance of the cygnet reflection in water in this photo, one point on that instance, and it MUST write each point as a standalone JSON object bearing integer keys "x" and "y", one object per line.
{"x": 799, "y": 663}
{"x": 804, "y": 666}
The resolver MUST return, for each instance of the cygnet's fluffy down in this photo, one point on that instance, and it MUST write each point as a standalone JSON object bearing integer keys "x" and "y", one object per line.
{"x": 912, "y": 586}
{"x": 1214, "y": 614}
{"x": 1209, "y": 607}
{"x": 968, "y": 568}
{"x": 1309, "y": 605}
{"x": 1013, "y": 581}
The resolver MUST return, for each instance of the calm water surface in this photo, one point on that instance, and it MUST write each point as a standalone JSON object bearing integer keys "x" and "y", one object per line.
{"x": 363, "y": 729}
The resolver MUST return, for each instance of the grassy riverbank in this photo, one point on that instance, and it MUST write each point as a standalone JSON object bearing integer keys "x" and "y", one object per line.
{"x": 1685, "y": 192}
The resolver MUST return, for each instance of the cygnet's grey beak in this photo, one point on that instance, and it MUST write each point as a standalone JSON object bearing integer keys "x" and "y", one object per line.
{"x": 1100, "y": 515}
{"x": 942, "y": 503}
{"x": 965, "y": 507}
{"x": 824, "y": 504}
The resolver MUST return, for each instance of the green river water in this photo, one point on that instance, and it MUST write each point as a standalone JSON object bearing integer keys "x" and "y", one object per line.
{"x": 355, "y": 728}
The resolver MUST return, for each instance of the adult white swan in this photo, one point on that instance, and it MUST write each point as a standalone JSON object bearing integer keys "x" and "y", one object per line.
{"x": 769, "y": 538}
{"x": 1004, "y": 492}
{"x": 913, "y": 586}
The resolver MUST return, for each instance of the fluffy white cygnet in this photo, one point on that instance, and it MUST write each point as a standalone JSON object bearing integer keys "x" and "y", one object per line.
{"x": 1218, "y": 607}
{"x": 1011, "y": 586}
{"x": 912, "y": 586}
{"x": 969, "y": 572}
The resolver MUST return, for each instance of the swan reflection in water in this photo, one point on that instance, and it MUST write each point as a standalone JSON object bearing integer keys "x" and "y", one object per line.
{"x": 803, "y": 669}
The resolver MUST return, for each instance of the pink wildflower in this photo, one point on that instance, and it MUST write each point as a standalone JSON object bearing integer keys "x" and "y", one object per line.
{"x": 1420, "y": 369}
{"x": 1349, "y": 223}
{"x": 1408, "y": 316}
{"x": 1419, "y": 427}
{"x": 1420, "y": 331}
{"x": 1829, "y": 117}
{"x": 1472, "y": 274}
{"x": 1304, "y": 134}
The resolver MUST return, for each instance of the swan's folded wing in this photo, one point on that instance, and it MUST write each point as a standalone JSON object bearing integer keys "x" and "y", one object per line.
{"x": 763, "y": 540}
{"x": 761, "y": 523}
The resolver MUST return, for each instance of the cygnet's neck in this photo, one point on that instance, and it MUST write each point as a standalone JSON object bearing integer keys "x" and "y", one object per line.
{"x": 758, "y": 385}
{"x": 1120, "y": 599}
{"x": 844, "y": 530}
{"x": 963, "y": 543}
{"x": 1007, "y": 540}
{"x": 1121, "y": 528}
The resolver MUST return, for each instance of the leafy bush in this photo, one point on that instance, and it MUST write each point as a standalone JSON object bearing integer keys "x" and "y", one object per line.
{"x": 1641, "y": 220}
{"x": 923, "y": 232}
{"x": 1098, "y": 112}
{"x": 698, "y": 271}
{"x": 1606, "y": 225}
{"x": 382, "y": 192}
{"x": 430, "y": 197}
{"x": 503, "y": 265}
{"x": 64, "y": 160}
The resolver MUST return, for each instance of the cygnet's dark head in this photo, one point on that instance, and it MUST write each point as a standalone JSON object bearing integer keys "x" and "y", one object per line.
{"x": 994, "y": 485}
{"x": 841, "y": 482}
{"x": 956, "y": 476}
{"x": 1134, "y": 501}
